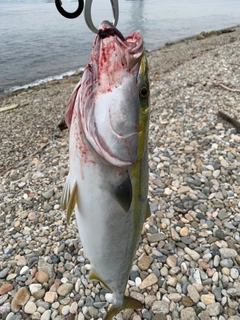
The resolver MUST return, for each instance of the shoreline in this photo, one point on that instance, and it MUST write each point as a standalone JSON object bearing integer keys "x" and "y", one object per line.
{"x": 63, "y": 78}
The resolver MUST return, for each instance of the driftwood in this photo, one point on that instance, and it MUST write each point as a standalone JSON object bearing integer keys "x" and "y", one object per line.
{"x": 227, "y": 88}
{"x": 230, "y": 120}
{"x": 13, "y": 106}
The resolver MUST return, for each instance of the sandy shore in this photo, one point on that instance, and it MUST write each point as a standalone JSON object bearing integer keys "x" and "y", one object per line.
{"x": 188, "y": 262}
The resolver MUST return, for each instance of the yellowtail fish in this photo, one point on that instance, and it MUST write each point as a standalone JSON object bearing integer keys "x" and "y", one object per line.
{"x": 107, "y": 185}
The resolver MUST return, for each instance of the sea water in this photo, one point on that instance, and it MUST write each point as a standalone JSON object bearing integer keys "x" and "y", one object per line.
{"x": 38, "y": 44}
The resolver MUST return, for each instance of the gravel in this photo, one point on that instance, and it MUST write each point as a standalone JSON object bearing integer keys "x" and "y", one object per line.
{"x": 188, "y": 262}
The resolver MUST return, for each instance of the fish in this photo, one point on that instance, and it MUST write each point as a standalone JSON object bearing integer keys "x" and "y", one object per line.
{"x": 107, "y": 185}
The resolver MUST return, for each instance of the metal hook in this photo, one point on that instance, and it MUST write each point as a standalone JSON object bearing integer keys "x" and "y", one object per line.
{"x": 69, "y": 15}
{"x": 88, "y": 17}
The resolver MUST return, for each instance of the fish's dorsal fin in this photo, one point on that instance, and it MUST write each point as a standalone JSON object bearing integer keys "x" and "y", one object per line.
{"x": 94, "y": 276}
{"x": 128, "y": 303}
{"x": 148, "y": 211}
{"x": 123, "y": 193}
{"x": 69, "y": 198}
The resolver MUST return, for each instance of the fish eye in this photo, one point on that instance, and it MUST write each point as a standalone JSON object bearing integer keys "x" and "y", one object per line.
{"x": 144, "y": 92}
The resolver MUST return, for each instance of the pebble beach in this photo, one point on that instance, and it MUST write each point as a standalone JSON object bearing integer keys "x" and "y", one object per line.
{"x": 187, "y": 265}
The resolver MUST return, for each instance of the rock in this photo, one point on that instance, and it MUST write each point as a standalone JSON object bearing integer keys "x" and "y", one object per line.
{"x": 20, "y": 299}
{"x": 21, "y": 262}
{"x": 172, "y": 281}
{"x": 24, "y": 270}
{"x": 65, "y": 310}
{"x": 187, "y": 301}
{"x": 48, "y": 194}
{"x": 149, "y": 300}
{"x": 184, "y": 232}
{"x": 150, "y": 280}
{"x": 30, "y": 307}
{"x": 155, "y": 237}
{"x": 187, "y": 314}
{"x": 6, "y": 287}
{"x": 41, "y": 276}
{"x": 193, "y": 254}
{"x": 164, "y": 271}
{"x": 46, "y": 315}
{"x": 138, "y": 296}
{"x": 138, "y": 281}
{"x": 73, "y": 308}
{"x": 219, "y": 234}
{"x": 50, "y": 296}
{"x": 183, "y": 189}
{"x": 3, "y": 298}
{"x": 204, "y": 316}
{"x": 214, "y": 309}
{"x": 226, "y": 263}
{"x": 208, "y": 299}
{"x": 160, "y": 306}
{"x": 175, "y": 236}
{"x": 234, "y": 273}
{"x": 193, "y": 294}
{"x": 65, "y": 289}
{"x": 159, "y": 316}
{"x": 39, "y": 294}
{"x": 93, "y": 312}
{"x": 34, "y": 287}
{"x": 4, "y": 272}
{"x": 171, "y": 261}
{"x": 47, "y": 268}
{"x": 144, "y": 263}
{"x": 176, "y": 297}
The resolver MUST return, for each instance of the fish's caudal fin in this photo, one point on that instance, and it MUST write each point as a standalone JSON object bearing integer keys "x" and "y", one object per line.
{"x": 128, "y": 303}
{"x": 69, "y": 198}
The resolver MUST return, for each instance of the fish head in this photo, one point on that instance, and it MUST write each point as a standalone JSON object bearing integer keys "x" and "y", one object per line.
{"x": 113, "y": 98}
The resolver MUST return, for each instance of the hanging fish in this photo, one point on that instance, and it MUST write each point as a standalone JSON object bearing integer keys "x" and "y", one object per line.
{"x": 107, "y": 186}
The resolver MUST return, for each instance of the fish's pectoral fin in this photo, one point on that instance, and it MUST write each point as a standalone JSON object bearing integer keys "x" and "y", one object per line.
{"x": 128, "y": 303}
{"x": 69, "y": 198}
{"x": 148, "y": 211}
{"x": 94, "y": 276}
{"x": 66, "y": 193}
{"x": 72, "y": 202}
{"x": 123, "y": 193}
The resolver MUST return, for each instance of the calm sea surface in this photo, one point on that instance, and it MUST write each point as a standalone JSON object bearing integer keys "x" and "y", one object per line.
{"x": 36, "y": 42}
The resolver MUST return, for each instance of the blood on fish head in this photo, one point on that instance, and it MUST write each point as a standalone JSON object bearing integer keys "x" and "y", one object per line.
{"x": 108, "y": 96}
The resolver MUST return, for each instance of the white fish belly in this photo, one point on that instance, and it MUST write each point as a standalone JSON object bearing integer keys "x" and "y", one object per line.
{"x": 107, "y": 231}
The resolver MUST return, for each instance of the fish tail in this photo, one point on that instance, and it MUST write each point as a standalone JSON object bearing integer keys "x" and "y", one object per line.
{"x": 128, "y": 303}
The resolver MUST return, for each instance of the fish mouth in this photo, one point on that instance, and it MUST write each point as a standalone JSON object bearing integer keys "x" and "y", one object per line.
{"x": 107, "y": 29}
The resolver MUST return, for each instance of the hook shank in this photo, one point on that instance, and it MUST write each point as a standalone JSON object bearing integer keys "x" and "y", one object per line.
{"x": 88, "y": 15}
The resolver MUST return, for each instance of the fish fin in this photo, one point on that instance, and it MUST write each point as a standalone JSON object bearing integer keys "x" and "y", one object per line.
{"x": 128, "y": 303}
{"x": 72, "y": 202}
{"x": 69, "y": 198}
{"x": 71, "y": 104}
{"x": 94, "y": 276}
{"x": 123, "y": 193}
{"x": 148, "y": 211}
{"x": 66, "y": 193}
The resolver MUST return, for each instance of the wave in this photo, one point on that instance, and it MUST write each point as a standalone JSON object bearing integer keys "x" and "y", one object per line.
{"x": 42, "y": 81}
